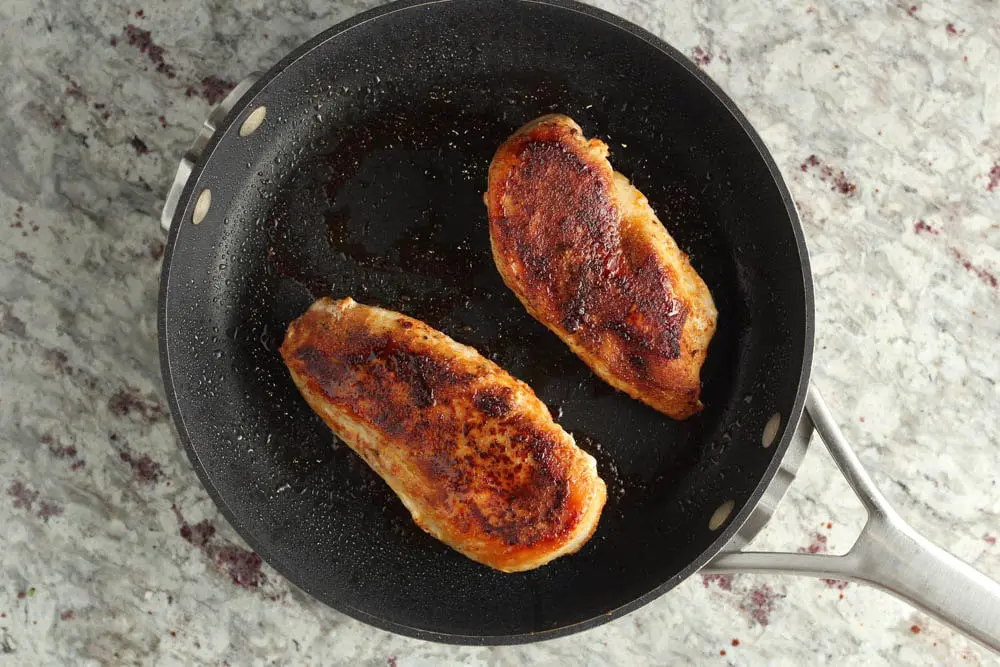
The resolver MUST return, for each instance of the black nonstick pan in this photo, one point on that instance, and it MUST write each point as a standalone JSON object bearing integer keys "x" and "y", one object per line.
{"x": 356, "y": 167}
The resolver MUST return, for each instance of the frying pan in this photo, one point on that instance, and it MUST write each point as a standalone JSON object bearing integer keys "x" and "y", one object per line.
{"x": 355, "y": 167}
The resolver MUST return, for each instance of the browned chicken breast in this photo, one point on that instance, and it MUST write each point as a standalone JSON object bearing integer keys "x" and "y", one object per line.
{"x": 584, "y": 252}
{"x": 471, "y": 451}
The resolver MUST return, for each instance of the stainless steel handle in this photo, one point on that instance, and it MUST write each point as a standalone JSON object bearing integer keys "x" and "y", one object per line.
{"x": 192, "y": 155}
{"x": 888, "y": 554}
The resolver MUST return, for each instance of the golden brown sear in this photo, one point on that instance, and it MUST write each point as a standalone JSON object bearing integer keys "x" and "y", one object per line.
{"x": 471, "y": 451}
{"x": 584, "y": 252}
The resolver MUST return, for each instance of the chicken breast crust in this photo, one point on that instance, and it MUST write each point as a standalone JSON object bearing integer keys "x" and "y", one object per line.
{"x": 584, "y": 252}
{"x": 471, "y": 451}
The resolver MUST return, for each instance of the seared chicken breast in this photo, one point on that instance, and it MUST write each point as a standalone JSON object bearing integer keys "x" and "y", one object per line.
{"x": 472, "y": 452}
{"x": 584, "y": 252}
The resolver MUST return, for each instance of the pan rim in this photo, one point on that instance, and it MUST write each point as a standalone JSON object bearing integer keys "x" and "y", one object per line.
{"x": 725, "y": 535}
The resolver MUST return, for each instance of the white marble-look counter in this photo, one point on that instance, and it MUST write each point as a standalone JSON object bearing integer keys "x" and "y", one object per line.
{"x": 900, "y": 101}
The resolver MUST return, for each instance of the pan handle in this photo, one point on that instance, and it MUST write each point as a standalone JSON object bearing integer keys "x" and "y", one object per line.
{"x": 193, "y": 153}
{"x": 888, "y": 554}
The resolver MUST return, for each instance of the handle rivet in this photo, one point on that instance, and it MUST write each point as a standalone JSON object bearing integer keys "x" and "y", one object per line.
{"x": 253, "y": 121}
{"x": 201, "y": 206}
{"x": 771, "y": 430}
{"x": 720, "y": 515}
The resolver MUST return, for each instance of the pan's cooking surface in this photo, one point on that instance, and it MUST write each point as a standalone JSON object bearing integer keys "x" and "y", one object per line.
{"x": 366, "y": 181}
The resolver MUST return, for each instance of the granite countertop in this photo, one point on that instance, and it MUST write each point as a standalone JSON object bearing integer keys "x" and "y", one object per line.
{"x": 884, "y": 118}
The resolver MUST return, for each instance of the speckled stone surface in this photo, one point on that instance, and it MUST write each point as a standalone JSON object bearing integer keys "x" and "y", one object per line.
{"x": 884, "y": 118}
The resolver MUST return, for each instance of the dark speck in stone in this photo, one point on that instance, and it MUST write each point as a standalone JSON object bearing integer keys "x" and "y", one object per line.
{"x": 73, "y": 91}
{"x": 242, "y": 565}
{"x": 723, "y": 581}
{"x": 200, "y": 534}
{"x": 760, "y": 603}
{"x": 139, "y": 145}
{"x": 213, "y": 89}
{"x": 128, "y": 402}
{"x": 143, "y": 40}
{"x": 985, "y": 276}
{"x": 11, "y": 324}
{"x": 146, "y": 470}
{"x": 994, "y": 178}
{"x": 23, "y": 495}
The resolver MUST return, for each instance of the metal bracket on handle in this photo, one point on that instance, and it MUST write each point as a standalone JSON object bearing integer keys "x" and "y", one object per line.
{"x": 888, "y": 554}
{"x": 192, "y": 155}
{"x": 782, "y": 480}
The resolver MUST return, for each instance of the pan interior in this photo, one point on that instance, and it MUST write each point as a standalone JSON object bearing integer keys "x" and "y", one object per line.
{"x": 366, "y": 180}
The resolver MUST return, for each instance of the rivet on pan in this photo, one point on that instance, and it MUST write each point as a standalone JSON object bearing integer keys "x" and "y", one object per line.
{"x": 720, "y": 515}
{"x": 201, "y": 206}
{"x": 771, "y": 430}
{"x": 253, "y": 121}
